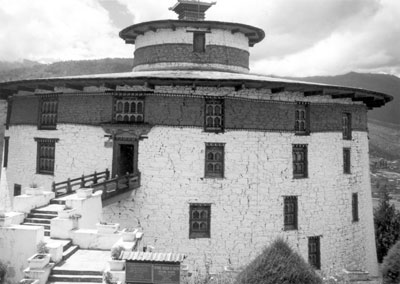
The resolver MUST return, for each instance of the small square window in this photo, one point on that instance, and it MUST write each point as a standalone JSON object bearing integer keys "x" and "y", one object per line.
{"x": 301, "y": 119}
{"x": 346, "y": 126}
{"x": 129, "y": 110}
{"x": 314, "y": 252}
{"x": 48, "y": 112}
{"x": 214, "y": 115}
{"x": 17, "y": 189}
{"x": 214, "y": 160}
{"x": 290, "y": 212}
{"x": 199, "y": 221}
{"x": 46, "y": 149}
{"x": 199, "y": 42}
{"x": 300, "y": 161}
{"x": 346, "y": 161}
{"x": 355, "y": 207}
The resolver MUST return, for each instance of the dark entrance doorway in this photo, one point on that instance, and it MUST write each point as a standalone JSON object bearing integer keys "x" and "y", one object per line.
{"x": 126, "y": 159}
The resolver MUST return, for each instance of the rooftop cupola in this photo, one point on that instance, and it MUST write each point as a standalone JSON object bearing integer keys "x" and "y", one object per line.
{"x": 191, "y": 10}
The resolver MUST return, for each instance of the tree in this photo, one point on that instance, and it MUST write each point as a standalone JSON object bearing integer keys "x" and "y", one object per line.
{"x": 387, "y": 225}
{"x": 278, "y": 264}
{"x": 391, "y": 265}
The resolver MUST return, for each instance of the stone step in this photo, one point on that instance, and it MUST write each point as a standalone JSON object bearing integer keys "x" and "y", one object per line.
{"x": 67, "y": 246}
{"x": 37, "y": 220}
{"x": 46, "y": 226}
{"x": 57, "y": 201}
{"x": 69, "y": 282}
{"x": 76, "y": 278}
{"x": 39, "y": 211}
{"x": 47, "y": 233}
{"x": 61, "y": 271}
{"x": 42, "y": 216}
{"x": 70, "y": 251}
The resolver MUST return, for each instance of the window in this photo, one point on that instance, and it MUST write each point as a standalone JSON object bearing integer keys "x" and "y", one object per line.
{"x": 17, "y": 189}
{"x": 301, "y": 119}
{"x": 314, "y": 254}
{"x": 199, "y": 221}
{"x": 199, "y": 42}
{"x": 214, "y": 115}
{"x": 290, "y": 212}
{"x": 6, "y": 145}
{"x": 346, "y": 161}
{"x": 214, "y": 160}
{"x": 48, "y": 112}
{"x": 355, "y": 207}
{"x": 300, "y": 161}
{"x": 46, "y": 149}
{"x": 346, "y": 126}
{"x": 129, "y": 110}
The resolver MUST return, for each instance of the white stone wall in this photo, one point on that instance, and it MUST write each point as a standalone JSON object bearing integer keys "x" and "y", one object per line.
{"x": 80, "y": 150}
{"x": 180, "y": 35}
{"x": 198, "y": 66}
{"x": 247, "y": 205}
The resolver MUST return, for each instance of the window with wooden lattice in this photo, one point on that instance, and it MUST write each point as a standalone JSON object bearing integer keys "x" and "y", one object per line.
{"x": 346, "y": 126}
{"x": 300, "y": 164}
{"x": 214, "y": 160}
{"x": 346, "y": 161}
{"x": 129, "y": 110}
{"x": 214, "y": 115}
{"x": 199, "y": 42}
{"x": 48, "y": 112}
{"x": 199, "y": 221}
{"x": 301, "y": 119}
{"x": 45, "y": 160}
{"x": 354, "y": 203}
{"x": 290, "y": 212}
{"x": 314, "y": 252}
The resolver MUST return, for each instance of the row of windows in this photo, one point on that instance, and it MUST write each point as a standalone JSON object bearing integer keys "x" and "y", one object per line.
{"x": 131, "y": 110}
{"x": 290, "y": 211}
{"x": 200, "y": 224}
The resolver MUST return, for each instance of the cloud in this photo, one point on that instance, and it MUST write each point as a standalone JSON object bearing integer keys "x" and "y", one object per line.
{"x": 303, "y": 37}
{"x": 49, "y": 30}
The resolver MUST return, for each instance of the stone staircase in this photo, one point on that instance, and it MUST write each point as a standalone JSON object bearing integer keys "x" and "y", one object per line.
{"x": 68, "y": 250}
{"x": 40, "y": 217}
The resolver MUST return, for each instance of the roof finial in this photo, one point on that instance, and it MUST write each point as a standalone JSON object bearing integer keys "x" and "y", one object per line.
{"x": 191, "y": 10}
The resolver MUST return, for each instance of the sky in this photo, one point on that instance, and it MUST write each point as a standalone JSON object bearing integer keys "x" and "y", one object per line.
{"x": 303, "y": 37}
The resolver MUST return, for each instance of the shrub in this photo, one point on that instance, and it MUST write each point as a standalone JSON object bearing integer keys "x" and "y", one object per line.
{"x": 278, "y": 264}
{"x": 41, "y": 248}
{"x": 387, "y": 226}
{"x": 391, "y": 265}
{"x": 116, "y": 252}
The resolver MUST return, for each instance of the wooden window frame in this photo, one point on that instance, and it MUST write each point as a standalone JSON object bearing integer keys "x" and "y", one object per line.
{"x": 199, "y": 42}
{"x": 214, "y": 148}
{"x": 134, "y": 117}
{"x": 199, "y": 233}
{"x": 288, "y": 202}
{"x": 17, "y": 189}
{"x": 51, "y": 157}
{"x": 211, "y": 107}
{"x": 303, "y": 150}
{"x": 314, "y": 252}
{"x": 346, "y": 126}
{"x": 354, "y": 207}
{"x": 6, "y": 149}
{"x": 48, "y": 112}
{"x": 302, "y": 119}
{"x": 346, "y": 160}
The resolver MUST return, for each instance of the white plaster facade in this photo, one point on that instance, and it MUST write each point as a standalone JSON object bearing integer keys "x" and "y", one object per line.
{"x": 181, "y": 35}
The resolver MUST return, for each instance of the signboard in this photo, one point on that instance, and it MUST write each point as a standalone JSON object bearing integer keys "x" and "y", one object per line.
{"x": 152, "y": 273}
{"x": 166, "y": 273}
{"x": 139, "y": 272}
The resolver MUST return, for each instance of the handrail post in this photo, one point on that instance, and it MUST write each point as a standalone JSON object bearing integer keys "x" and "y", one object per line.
{"x": 53, "y": 187}
{"x": 116, "y": 183}
{"x": 95, "y": 177}
{"x": 127, "y": 180}
{"x": 82, "y": 181}
{"x": 69, "y": 188}
{"x": 107, "y": 174}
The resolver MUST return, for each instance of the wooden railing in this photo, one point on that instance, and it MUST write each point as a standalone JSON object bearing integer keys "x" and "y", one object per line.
{"x": 70, "y": 185}
{"x": 117, "y": 185}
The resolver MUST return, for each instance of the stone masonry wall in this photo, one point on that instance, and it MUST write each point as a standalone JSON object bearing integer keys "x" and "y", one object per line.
{"x": 247, "y": 205}
{"x": 80, "y": 150}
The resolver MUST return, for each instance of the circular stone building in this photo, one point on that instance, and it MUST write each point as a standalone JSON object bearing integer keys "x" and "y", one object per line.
{"x": 226, "y": 161}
